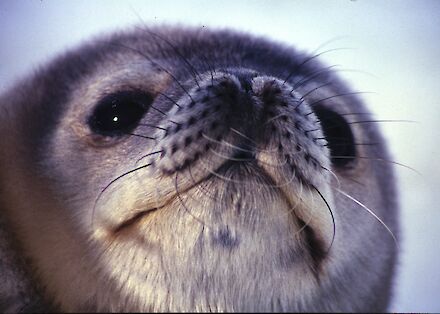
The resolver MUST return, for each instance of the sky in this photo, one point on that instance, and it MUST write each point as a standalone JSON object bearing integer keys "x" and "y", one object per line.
{"x": 390, "y": 50}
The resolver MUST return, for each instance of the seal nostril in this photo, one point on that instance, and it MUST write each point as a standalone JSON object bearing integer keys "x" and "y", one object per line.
{"x": 246, "y": 84}
{"x": 245, "y": 78}
{"x": 244, "y": 155}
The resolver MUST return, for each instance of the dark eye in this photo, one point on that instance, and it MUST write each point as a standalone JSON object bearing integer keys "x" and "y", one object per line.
{"x": 338, "y": 135}
{"x": 119, "y": 113}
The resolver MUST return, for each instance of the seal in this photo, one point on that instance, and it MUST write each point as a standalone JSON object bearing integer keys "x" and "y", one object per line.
{"x": 187, "y": 169}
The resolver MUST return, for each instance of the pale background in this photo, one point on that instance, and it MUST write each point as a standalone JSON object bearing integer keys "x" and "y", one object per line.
{"x": 394, "y": 52}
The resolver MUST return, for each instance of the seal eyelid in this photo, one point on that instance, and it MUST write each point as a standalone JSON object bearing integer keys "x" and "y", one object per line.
{"x": 119, "y": 113}
{"x": 339, "y": 136}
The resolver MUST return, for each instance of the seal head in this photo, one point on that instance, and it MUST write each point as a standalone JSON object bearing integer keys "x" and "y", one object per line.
{"x": 192, "y": 170}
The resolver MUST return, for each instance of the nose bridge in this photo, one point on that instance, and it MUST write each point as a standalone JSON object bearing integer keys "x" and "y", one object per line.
{"x": 242, "y": 111}
{"x": 245, "y": 77}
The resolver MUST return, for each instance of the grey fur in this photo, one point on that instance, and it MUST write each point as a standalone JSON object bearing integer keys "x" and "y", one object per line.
{"x": 235, "y": 241}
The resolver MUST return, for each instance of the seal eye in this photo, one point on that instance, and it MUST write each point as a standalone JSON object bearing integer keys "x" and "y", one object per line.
{"x": 338, "y": 135}
{"x": 118, "y": 114}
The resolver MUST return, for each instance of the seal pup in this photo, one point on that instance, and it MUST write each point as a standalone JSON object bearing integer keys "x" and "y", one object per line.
{"x": 186, "y": 169}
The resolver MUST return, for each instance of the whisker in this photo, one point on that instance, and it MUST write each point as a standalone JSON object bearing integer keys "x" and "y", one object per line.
{"x": 332, "y": 40}
{"x": 366, "y": 121}
{"x": 199, "y": 186}
{"x": 243, "y": 136}
{"x": 152, "y": 126}
{"x": 331, "y": 214}
{"x": 111, "y": 182}
{"x": 210, "y": 67}
{"x": 370, "y": 212}
{"x": 170, "y": 99}
{"x": 274, "y": 118}
{"x": 185, "y": 60}
{"x": 158, "y": 110}
{"x": 301, "y": 100}
{"x": 225, "y": 157}
{"x": 153, "y": 63}
{"x": 224, "y": 143}
{"x": 147, "y": 155}
{"x": 333, "y": 174}
{"x": 382, "y": 121}
{"x": 359, "y": 71}
{"x": 312, "y": 76}
{"x": 213, "y": 172}
{"x": 355, "y": 113}
{"x": 143, "y": 136}
{"x": 308, "y": 59}
{"x": 381, "y": 160}
{"x": 345, "y": 142}
{"x": 292, "y": 210}
{"x": 338, "y": 95}
{"x": 184, "y": 205}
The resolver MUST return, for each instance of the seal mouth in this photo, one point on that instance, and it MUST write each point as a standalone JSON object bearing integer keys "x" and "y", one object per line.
{"x": 133, "y": 220}
{"x": 240, "y": 158}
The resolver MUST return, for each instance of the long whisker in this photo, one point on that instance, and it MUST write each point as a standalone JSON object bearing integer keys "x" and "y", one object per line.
{"x": 170, "y": 99}
{"x": 184, "y": 205}
{"x": 111, "y": 182}
{"x": 308, "y": 59}
{"x": 382, "y": 121}
{"x": 331, "y": 214}
{"x": 333, "y": 174}
{"x": 355, "y": 113}
{"x": 185, "y": 60}
{"x": 326, "y": 43}
{"x": 301, "y": 100}
{"x": 243, "y": 135}
{"x": 153, "y": 63}
{"x": 371, "y": 213}
{"x": 225, "y": 157}
{"x": 143, "y": 136}
{"x": 312, "y": 76}
{"x": 199, "y": 186}
{"x": 381, "y": 160}
{"x": 147, "y": 29}
{"x": 213, "y": 172}
{"x": 158, "y": 110}
{"x": 147, "y": 155}
{"x": 222, "y": 142}
{"x": 152, "y": 126}
{"x": 338, "y": 95}
{"x": 343, "y": 143}
{"x": 291, "y": 210}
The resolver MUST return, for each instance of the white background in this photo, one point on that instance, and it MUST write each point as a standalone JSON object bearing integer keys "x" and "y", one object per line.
{"x": 394, "y": 52}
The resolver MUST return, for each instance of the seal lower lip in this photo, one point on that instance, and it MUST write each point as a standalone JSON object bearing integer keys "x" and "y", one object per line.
{"x": 133, "y": 220}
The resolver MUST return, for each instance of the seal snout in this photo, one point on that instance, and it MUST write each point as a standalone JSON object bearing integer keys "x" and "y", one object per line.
{"x": 242, "y": 116}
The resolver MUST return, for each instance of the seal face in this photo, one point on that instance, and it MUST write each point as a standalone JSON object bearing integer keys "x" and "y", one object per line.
{"x": 171, "y": 169}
